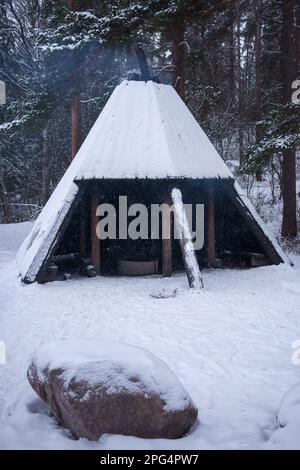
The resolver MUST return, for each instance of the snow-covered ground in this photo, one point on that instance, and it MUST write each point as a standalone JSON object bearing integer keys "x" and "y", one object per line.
{"x": 230, "y": 346}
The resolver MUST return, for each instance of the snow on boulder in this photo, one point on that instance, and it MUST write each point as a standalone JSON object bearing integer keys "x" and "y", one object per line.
{"x": 287, "y": 435}
{"x": 98, "y": 386}
{"x": 289, "y": 411}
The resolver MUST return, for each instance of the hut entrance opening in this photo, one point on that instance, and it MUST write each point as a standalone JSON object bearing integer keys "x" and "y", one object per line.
{"x": 231, "y": 243}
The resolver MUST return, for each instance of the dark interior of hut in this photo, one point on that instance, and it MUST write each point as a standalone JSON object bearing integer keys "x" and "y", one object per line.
{"x": 235, "y": 244}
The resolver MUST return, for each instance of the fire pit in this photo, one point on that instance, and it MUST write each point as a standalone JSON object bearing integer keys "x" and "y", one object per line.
{"x": 137, "y": 267}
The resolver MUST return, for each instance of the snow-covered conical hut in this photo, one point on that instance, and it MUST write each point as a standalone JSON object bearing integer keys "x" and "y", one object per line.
{"x": 144, "y": 143}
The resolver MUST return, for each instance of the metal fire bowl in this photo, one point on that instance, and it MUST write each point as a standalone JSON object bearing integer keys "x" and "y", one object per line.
{"x": 137, "y": 268}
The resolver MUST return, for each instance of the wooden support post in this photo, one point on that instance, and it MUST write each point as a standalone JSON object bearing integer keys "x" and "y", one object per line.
{"x": 82, "y": 248}
{"x": 167, "y": 241}
{"x": 95, "y": 242}
{"x": 187, "y": 248}
{"x": 211, "y": 249}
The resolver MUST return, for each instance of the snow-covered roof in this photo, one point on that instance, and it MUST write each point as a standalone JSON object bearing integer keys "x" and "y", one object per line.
{"x": 146, "y": 131}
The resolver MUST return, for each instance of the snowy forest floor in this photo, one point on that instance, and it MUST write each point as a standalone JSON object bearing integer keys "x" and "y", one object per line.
{"x": 230, "y": 346}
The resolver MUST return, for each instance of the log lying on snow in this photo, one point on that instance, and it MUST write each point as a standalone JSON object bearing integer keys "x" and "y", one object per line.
{"x": 187, "y": 248}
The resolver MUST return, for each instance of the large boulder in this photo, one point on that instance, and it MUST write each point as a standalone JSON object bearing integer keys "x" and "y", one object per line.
{"x": 95, "y": 387}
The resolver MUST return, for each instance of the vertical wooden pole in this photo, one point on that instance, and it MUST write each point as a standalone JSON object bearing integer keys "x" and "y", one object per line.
{"x": 258, "y": 81}
{"x": 95, "y": 242}
{"x": 83, "y": 247}
{"x": 185, "y": 239}
{"x": 239, "y": 81}
{"x": 166, "y": 242}
{"x": 211, "y": 249}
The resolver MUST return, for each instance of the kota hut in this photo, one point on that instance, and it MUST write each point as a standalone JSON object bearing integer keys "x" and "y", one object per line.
{"x": 145, "y": 144}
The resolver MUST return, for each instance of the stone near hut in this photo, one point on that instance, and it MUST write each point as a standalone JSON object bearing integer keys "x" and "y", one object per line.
{"x": 98, "y": 386}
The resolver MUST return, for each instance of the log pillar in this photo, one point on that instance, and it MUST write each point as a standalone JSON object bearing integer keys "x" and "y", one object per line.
{"x": 167, "y": 241}
{"x": 83, "y": 227}
{"x": 186, "y": 245}
{"x": 211, "y": 244}
{"x": 95, "y": 242}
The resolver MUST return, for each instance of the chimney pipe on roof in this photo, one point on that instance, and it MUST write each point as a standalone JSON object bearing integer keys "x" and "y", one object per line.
{"x": 141, "y": 57}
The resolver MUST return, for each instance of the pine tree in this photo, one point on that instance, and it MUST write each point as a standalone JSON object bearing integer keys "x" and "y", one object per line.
{"x": 289, "y": 73}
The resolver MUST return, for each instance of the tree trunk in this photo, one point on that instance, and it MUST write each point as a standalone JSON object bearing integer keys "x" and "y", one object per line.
{"x": 95, "y": 241}
{"x": 297, "y": 34}
{"x": 76, "y": 123}
{"x": 75, "y": 108}
{"x": 258, "y": 30}
{"x": 130, "y": 57}
{"x": 289, "y": 73}
{"x": 289, "y": 220}
{"x": 239, "y": 81}
{"x": 211, "y": 244}
{"x": 167, "y": 242}
{"x": 45, "y": 167}
{"x": 232, "y": 59}
{"x": 178, "y": 57}
{"x": 5, "y": 203}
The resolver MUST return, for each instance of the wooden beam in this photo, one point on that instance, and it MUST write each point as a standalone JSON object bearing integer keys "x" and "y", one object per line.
{"x": 95, "y": 242}
{"x": 83, "y": 230}
{"x": 75, "y": 104}
{"x": 166, "y": 242}
{"x": 211, "y": 244}
{"x": 187, "y": 248}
